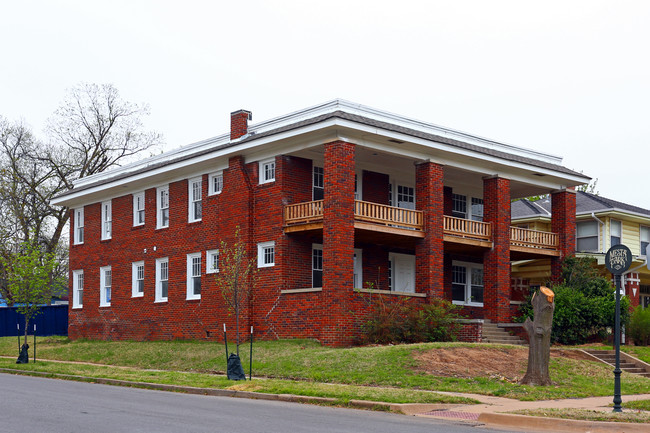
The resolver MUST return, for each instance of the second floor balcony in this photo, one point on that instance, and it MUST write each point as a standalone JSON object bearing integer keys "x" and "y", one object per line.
{"x": 374, "y": 217}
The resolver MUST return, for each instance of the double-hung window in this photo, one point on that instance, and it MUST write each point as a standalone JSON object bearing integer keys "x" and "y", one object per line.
{"x": 77, "y": 289}
{"x": 138, "y": 209}
{"x": 318, "y": 183}
{"x": 215, "y": 183}
{"x": 105, "y": 282}
{"x": 317, "y": 265}
{"x": 212, "y": 261}
{"x": 477, "y": 209}
{"x": 615, "y": 232}
{"x": 79, "y": 226}
{"x": 459, "y": 206}
{"x": 195, "y": 199}
{"x": 162, "y": 204}
{"x": 265, "y": 254}
{"x": 267, "y": 171}
{"x": 107, "y": 220}
{"x": 467, "y": 283}
{"x": 194, "y": 276}
{"x": 137, "y": 279}
{"x": 162, "y": 279}
{"x": 587, "y": 236}
{"x": 645, "y": 238}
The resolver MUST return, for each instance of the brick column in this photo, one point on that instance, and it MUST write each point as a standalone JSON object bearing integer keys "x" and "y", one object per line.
{"x": 563, "y": 222}
{"x": 429, "y": 252}
{"x": 632, "y": 288}
{"x": 338, "y": 244}
{"x": 496, "y": 262}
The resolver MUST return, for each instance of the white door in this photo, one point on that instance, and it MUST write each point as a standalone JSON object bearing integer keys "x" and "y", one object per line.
{"x": 403, "y": 272}
{"x": 358, "y": 269}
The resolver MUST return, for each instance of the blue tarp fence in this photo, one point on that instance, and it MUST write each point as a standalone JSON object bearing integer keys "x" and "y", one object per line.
{"x": 52, "y": 320}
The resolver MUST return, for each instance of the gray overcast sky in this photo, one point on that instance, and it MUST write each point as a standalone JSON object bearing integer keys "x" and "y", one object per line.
{"x": 571, "y": 78}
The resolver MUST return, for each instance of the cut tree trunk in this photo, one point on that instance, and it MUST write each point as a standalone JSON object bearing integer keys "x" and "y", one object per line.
{"x": 539, "y": 335}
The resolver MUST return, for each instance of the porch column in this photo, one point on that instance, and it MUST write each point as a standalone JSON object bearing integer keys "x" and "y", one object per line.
{"x": 337, "y": 325}
{"x": 496, "y": 262}
{"x": 632, "y": 282}
{"x": 429, "y": 252}
{"x": 563, "y": 222}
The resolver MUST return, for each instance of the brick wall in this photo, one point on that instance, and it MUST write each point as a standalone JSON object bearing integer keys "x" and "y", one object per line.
{"x": 563, "y": 222}
{"x": 496, "y": 262}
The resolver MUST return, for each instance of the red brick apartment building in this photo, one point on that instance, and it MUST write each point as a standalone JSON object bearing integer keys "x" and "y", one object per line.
{"x": 338, "y": 202}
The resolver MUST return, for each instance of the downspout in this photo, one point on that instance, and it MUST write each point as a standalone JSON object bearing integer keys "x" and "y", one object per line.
{"x": 593, "y": 215}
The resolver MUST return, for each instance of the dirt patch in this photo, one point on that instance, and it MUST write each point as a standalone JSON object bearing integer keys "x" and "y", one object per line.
{"x": 468, "y": 362}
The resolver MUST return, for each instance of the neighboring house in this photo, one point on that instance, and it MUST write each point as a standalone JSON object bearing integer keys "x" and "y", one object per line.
{"x": 600, "y": 224}
{"x": 338, "y": 202}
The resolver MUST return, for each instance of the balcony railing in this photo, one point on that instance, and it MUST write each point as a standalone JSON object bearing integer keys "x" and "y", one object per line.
{"x": 312, "y": 211}
{"x": 470, "y": 229}
{"x": 533, "y": 239}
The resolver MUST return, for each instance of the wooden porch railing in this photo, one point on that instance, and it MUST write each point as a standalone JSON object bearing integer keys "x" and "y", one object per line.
{"x": 387, "y": 215}
{"x": 301, "y": 213}
{"x": 533, "y": 239}
{"x": 467, "y": 228}
{"x": 311, "y": 211}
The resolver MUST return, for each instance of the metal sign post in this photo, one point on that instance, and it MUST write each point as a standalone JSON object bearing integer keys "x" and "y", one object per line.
{"x": 618, "y": 260}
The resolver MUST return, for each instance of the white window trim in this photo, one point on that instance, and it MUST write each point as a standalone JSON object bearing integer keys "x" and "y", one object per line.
{"x": 261, "y": 247}
{"x": 136, "y": 196}
{"x": 209, "y": 269}
{"x": 262, "y": 170}
{"x": 599, "y": 234}
{"x": 620, "y": 224}
{"x": 357, "y": 269}
{"x": 211, "y": 189}
{"x": 79, "y": 217}
{"x": 103, "y": 302}
{"x": 191, "y": 217}
{"x": 313, "y": 179}
{"x": 468, "y": 284}
{"x": 318, "y": 247}
{"x": 641, "y": 240}
{"x": 358, "y": 185}
{"x": 75, "y": 289}
{"x": 158, "y": 295}
{"x": 107, "y": 217}
{"x": 159, "y": 209}
{"x": 134, "y": 280}
{"x": 190, "y": 295}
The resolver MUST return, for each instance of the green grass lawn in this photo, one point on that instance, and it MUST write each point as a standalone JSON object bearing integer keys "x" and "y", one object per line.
{"x": 309, "y": 362}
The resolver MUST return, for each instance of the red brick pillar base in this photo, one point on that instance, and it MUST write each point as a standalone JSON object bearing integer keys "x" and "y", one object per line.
{"x": 632, "y": 288}
{"x": 337, "y": 326}
{"x": 496, "y": 262}
{"x": 563, "y": 222}
{"x": 429, "y": 252}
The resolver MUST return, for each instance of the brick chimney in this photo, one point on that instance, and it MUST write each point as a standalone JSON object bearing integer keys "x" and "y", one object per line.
{"x": 239, "y": 123}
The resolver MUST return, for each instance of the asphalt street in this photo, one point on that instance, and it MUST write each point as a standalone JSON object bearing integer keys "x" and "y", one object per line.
{"x": 32, "y": 404}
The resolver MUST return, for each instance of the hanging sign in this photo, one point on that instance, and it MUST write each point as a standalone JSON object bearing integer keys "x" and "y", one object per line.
{"x": 618, "y": 259}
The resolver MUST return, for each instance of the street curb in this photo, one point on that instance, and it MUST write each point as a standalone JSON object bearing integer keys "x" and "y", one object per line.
{"x": 560, "y": 425}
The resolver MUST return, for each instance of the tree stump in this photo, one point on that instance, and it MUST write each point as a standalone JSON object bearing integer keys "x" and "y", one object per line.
{"x": 539, "y": 336}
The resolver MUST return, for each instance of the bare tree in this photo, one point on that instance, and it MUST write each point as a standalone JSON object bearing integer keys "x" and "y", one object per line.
{"x": 539, "y": 336}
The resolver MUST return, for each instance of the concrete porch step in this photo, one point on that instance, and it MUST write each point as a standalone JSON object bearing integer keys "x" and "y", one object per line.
{"x": 627, "y": 362}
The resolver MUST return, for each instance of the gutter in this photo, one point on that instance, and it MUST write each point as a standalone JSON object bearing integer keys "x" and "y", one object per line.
{"x": 593, "y": 215}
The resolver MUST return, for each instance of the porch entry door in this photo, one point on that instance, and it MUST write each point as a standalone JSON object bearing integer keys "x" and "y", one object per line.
{"x": 403, "y": 266}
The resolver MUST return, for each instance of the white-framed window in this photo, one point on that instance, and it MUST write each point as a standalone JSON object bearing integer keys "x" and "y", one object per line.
{"x": 458, "y": 206}
{"x": 265, "y": 254}
{"x": 77, "y": 289}
{"x": 162, "y": 206}
{"x": 195, "y": 195}
{"x": 467, "y": 283}
{"x": 587, "y": 236}
{"x": 162, "y": 279}
{"x": 615, "y": 232}
{"x": 645, "y": 238}
{"x": 318, "y": 183}
{"x": 405, "y": 197}
{"x": 215, "y": 183}
{"x": 477, "y": 209}
{"x": 137, "y": 279}
{"x": 105, "y": 284}
{"x": 194, "y": 276}
{"x": 138, "y": 209}
{"x": 79, "y": 226}
{"x": 212, "y": 261}
{"x": 267, "y": 171}
{"x": 358, "y": 186}
{"x": 357, "y": 273}
{"x": 107, "y": 220}
{"x": 317, "y": 265}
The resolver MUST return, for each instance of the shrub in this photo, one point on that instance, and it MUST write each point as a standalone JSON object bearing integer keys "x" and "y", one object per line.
{"x": 403, "y": 322}
{"x": 639, "y": 327}
{"x": 585, "y": 304}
